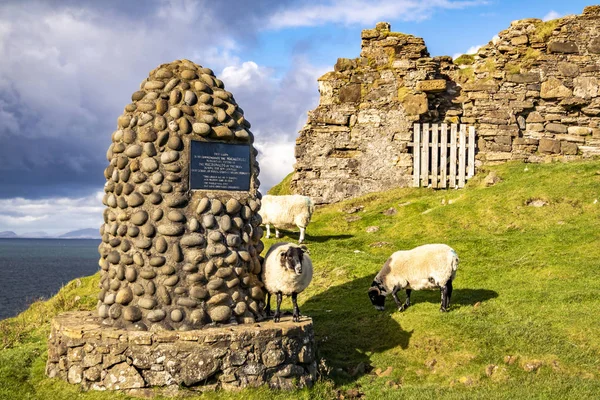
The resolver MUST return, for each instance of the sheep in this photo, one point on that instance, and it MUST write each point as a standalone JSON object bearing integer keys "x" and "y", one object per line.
{"x": 286, "y": 212}
{"x": 425, "y": 267}
{"x": 287, "y": 270}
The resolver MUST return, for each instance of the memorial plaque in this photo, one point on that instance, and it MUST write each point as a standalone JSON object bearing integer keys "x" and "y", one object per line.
{"x": 219, "y": 166}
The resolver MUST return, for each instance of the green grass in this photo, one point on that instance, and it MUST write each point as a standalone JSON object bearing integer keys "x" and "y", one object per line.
{"x": 283, "y": 187}
{"x": 527, "y": 287}
{"x": 465, "y": 59}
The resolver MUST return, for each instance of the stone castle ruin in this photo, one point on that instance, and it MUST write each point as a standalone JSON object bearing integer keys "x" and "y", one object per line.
{"x": 532, "y": 95}
{"x": 179, "y": 291}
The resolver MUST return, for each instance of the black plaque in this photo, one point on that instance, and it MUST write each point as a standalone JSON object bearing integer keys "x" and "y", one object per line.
{"x": 219, "y": 166}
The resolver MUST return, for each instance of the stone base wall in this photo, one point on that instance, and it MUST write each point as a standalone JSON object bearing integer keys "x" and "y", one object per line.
{"x": 82, "y": 351}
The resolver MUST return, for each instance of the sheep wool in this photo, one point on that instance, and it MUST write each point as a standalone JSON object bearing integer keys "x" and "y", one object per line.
{"x": 287, "y": 270}
{"x": 285, "y": 212}
{"x": 429, "y": 266}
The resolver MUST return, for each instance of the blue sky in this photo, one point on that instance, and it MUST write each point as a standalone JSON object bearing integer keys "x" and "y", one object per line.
{"x": 68, "y": 68}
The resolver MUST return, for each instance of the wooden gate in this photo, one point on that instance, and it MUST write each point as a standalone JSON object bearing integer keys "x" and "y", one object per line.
{"x": 443, "y": 158}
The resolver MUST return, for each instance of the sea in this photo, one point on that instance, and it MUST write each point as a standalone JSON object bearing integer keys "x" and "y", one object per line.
{"x": 34, "y": 269}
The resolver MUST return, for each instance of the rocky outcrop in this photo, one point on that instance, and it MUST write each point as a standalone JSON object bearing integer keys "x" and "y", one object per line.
{"x": 531, "y": 94}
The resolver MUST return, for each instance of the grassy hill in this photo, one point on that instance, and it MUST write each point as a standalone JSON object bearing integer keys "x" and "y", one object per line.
{"x": 524, "y": 315}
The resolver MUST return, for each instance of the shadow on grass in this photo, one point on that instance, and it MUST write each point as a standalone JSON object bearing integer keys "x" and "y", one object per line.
{"x": 293, "y": 236}
{"x": 349, "y": 330}
{"x": 460, "y": 297}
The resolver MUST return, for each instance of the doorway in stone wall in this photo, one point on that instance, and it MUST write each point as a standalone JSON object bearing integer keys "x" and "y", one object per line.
{"x": 443, "y": 155}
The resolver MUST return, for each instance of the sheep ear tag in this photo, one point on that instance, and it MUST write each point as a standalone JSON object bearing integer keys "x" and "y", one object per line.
{"x": 305, "y": 249}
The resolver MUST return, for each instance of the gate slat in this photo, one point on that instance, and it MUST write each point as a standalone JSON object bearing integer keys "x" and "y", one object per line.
{"x": 444, "y": 155}
{"x": 471, "y": 152}
{"x": 461, "y": 156}
{"x": 425, "y": 157}
{"x": 417, "y": 155}
{"x": 434, "y": 155}
{"x": 452, "y": 182}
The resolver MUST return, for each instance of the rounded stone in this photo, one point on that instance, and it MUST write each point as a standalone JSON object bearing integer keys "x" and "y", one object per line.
{"x": 215, "y": 284}
{"x": 163, "y": 138}
{"x": 109, "y": 299}
{"x": 163, "y": 295}
{"x": 157, "y": 178}
{"x": 134, "y": 151}
{"x": 198, "y": 316}
{"x": 188, "y": 74}
{"x": 150, "y": 149}
{"x": 122, "y": 203}
{"x": 208, "y": 119}
{"x": 220, "y": 298}
{"x": 166, "y": 270}
{"x": 216, "y": 207}
{"x": 225, "y": 223}
{"x": 171, "y": 84}
{"x": 147, "y": 303}
{"x": 240, "y": 309}
{"x": 171, "y": 229}
{"x": 221, "y": 115}
{"x": 157, "y": 214}
{"x": 233, "y": 240}
{"x": 115, "y": 311}
{"x": 198, "y": 292}
{"x": 175, "y": 143}
{"x": 184, "y": 126}
{"x": 149, "y": 165}
{"x": 147, "y": 134}
{"x": 192, "y": 240}
{"x": 169, "y": 156}
{"x": 143, "y": 243}
{"x": 175, "y": 112}
{"x": 113, "y": 257}
{"x": 137, "y": 289}
{"x": 215, "y": 236}
{"x": 220, "y": 313}
{"x": 190, "y": 98}
{"x": 125, "y": 246}
{"x": 157, "y": 261}
{"x": 155, "y": 198}
{"x": 130, "y": 274}
{"x": 139, "y": 218}
{"x": 124, "y": 296}
{"x": 174, "y": 97}
{"x": 103, "y": 311}
{"x": 187, "y": 302}
{"x": 135, "y": 200}
{"x": 160, "y": 123}
{"x": 147, "y": 273}
{"x": 166, "y": 188}
{"x": 203, "y": 205}
{"x": 194, "y": 225}
{"x": 232, "y": 206}
{"x": 201, "y": 128}
{"x": 132, "y": 313}
{"x": 136, "y": 96}
{"x": 138, "y": 259}
{"x": 161, "y": 245}
{"x": 171, "y": 281}
{"x": 176, "y": 315}
{"x": 156, "y": 315}
{"x": 161, "y": 106}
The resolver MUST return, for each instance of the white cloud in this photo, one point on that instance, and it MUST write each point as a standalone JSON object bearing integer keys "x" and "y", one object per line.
{"x": 52, "y": 215}
{"x": 551, "y": 15}
{"x": 276, "y": 160}
{"x": 470, "y": 50}
{"x": 364, "y": 12}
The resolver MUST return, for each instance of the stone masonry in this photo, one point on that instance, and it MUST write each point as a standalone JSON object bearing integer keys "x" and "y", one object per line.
{"x": 171, "y": 257}
{"x": 532, "y": 95}
{"x": 82, "y": 351}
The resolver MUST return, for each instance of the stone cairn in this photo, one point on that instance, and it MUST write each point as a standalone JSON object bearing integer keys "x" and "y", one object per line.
{"x": 532, "y": 94}
{"x": 172, "y": 258}
{"x": 179, "y": 291}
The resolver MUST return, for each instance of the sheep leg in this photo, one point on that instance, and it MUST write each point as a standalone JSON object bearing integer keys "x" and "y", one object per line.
{"x": 268, "y": 230}
{"x": 448, "y": 294}
{"x": 407, "y": 302}
{"x": 277, "y": 315}
{"x": 396, "y": 299}
{"x": 296, "y": 314}
{"x": 444, "y": 291}
{"x": 301, "y": 235}
{"x": 277, "y": 235}
{"x": 268, "y": 306}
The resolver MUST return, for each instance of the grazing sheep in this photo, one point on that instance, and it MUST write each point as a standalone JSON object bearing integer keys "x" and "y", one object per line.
{"x": 288, "y": 270}
{"x": 425, "y": 267}
{"x": 284, "y": 212}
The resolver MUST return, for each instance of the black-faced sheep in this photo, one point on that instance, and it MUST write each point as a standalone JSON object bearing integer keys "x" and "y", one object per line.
{"x": 287, "y": 270}
{"x": 285, "y": 212}
{"x": 425, "y": 267}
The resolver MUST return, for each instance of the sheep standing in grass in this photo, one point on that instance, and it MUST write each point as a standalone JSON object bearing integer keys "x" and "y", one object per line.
{"x": 284, "y": 212}
{"x": 288, "y": 270}
{"x": 425, "y": 267}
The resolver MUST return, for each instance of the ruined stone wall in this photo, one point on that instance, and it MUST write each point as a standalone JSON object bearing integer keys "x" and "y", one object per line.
{"x": 532, "y": 95}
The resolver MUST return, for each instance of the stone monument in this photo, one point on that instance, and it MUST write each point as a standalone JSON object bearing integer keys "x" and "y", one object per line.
{"x": 180, "y": 254}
